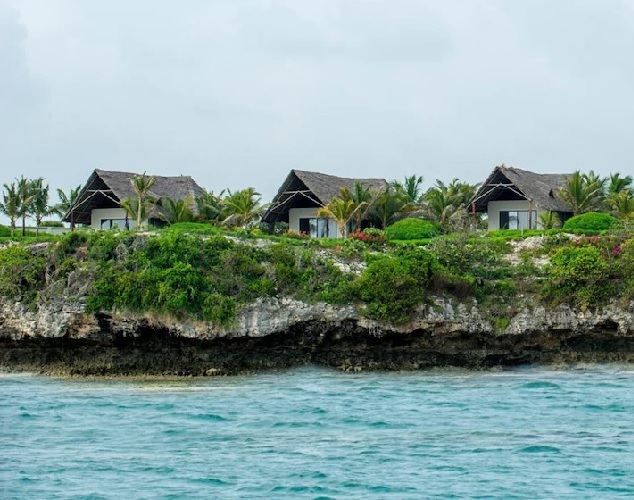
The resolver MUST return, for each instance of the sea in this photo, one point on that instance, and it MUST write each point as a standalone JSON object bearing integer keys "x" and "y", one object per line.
{"x": 316, "y": 433}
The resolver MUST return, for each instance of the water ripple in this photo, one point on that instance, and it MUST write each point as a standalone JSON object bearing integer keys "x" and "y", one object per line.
{"x": 319, "y": 434}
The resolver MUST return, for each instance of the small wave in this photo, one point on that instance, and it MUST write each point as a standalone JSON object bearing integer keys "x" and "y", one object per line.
{"x": 162, "y": 407}
{"x": 611, "y": 408}
{"x": 486, "y": 450}
{"x": 172, "y": 432}
{"x": 540, "y": 449}
{"x": 299, "y": 489}
{"x": 312, "y": 475}
{"x": 212, "y": 481}
{"x": 295, "y": 425}
{"x": 380, "y": 424}
{"x": 540, "y": 385}
{"x": 210, "y": 416}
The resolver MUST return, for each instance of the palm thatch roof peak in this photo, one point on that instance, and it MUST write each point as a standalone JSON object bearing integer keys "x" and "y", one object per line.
{"x": 107, "y": 188}
{"x": 514, "y": 183}
{"x": 303, "y": 188}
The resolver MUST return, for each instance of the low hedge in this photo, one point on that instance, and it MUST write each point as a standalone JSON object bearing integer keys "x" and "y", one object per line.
{"x": 412, "y": 229}
{"x": 593, "y": 221}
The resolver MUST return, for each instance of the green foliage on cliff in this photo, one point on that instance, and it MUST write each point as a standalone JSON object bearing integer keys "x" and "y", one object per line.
{"x": 209, "y": 277}
{"x": 580, "y": 274}
{"x": 22, "y": 272}
{"x": 203, "y": 278}
{"x": 393, "y": 286}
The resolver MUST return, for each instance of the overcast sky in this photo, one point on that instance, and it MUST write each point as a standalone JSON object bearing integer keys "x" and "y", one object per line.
{"x": 236, "y": 93}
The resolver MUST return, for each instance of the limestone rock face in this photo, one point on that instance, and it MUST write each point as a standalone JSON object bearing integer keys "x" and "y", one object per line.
{"x": 65, "y": 318}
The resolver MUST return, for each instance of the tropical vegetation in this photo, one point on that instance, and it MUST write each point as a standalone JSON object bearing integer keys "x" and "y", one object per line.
{"x": 192, "y": 270}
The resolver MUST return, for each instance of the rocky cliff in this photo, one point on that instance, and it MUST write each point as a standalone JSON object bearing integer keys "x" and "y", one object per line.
{"x": 60, "y": 338}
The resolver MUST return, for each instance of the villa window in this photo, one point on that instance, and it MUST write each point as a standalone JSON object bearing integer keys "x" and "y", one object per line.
{"x": 518, "y": 219}
{"x": 316, "y": 228}
{"x": 116, "y": 224}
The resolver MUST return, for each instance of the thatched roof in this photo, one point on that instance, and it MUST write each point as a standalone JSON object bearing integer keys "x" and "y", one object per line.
{"x": 510, "y": 183}
{"x": 105, "y": 189}
{"x": 303, "y": 189}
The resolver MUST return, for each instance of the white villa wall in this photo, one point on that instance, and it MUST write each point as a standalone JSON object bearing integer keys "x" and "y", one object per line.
{"x": 49, "y": 230}
{"x": 495, "y": 207}
{"x": 105, "y": 213}
{"x": 294, "y": 214}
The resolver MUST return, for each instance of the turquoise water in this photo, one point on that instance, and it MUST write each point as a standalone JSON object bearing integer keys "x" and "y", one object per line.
{"x": 316, "y": 433}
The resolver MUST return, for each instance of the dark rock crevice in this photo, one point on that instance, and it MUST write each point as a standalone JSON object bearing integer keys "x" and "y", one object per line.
{"x": 152, "y": 350}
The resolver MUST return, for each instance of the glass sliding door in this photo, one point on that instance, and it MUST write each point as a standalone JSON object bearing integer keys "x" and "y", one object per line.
{"x": 518, "y": 219}
{"x": 315, "y": 227}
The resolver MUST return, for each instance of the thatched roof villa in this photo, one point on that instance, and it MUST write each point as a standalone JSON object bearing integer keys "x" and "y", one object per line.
{"x": 513, "y": 198}
{"x": 98, "y": 203}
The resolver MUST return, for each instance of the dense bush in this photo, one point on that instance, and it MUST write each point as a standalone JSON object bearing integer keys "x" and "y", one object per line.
{"x": 592, "y": 221}
{"x": 624, "y": 256}
{"x": 579, "y": 275}
{"x": 393, "y": 285}
{"x": 22, "y": 272}
{"x": 411, "y": 229}
{"x": 481, "y": 257}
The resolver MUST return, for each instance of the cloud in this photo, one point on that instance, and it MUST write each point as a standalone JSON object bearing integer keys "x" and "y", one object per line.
{"x": 237, "y": 92}
{"x": 22, "y": 97}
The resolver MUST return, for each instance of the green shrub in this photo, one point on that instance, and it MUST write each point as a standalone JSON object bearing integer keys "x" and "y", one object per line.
{"x": 5, "y": 232}
{"x": 201, "y": 228}
{"x": 579, "y": 275}
{"x": 411, "y": 229}
{"x": 22, "y": 273}
{"x": 70, "y": 242}
{"x": 624, "y": 257}
{"x": 393, "y": 286}
{"x": 592, "y": 221}
{"x": 52, "y": 223}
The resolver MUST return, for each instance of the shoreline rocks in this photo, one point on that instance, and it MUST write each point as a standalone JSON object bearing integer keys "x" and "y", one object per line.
{"x": 61, "y": 339}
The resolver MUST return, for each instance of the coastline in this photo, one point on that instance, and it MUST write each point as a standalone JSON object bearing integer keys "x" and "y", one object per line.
{"x": 443, "y": 335}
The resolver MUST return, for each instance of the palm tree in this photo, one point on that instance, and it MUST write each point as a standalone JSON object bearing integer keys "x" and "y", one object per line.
{"x": 241, "y": 207}
{"x": 141, "y": 185}
{"x": 616, "y": 183}
{"x": 447, "y": 204}
{"x": 549, "y": 220}
{"x": 362, "y": 197}
{"x": 66, "y": 201}
{"x": 39, "y": 206}
{"x": 10, "y": 204}
{"x": 583, "y": 193}
{"x": 341, "y": 211}
{"x": 177, "y": 210}
{"x": 621, "y": 204}
{"x": 209, "y": 206}
{"x": 389, "y": 204}
{"x": 412, "y": 188}
{"x": 133, "y": 210}
{"x": 25, "y": 200}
